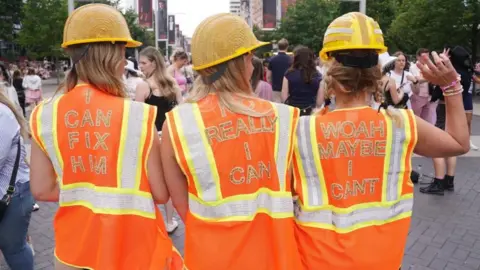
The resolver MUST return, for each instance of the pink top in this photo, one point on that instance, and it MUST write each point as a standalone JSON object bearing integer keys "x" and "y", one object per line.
{"x": 181, "y": 80}
{"x": 264, "y": 90}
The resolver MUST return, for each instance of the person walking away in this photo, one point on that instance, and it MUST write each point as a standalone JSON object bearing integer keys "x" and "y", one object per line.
{"x": 301, "y": 84}
{"x": 238, "y": 212}
{"x": 180, "y": 59}
{"x": 97, "y": 153}
{"x": 132, "y": 79}
{"x": 422, "y": 104}
{"x": 18, "y": 84}
{"x": 277, "y": 67}
{"x": 445, "y": 166}
{"x": 33, "y": 83}
{"x": 352, "y": 165}
{"x": 162, "y": 91}
{"x": 16, "y": 198}
{"x": 261, "y": 88}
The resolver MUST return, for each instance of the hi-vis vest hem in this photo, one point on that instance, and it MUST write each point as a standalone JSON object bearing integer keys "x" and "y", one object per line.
{"x": 209, "y": 204}
{"x": 316, "y": 211}
{"x": 126, "y": 198}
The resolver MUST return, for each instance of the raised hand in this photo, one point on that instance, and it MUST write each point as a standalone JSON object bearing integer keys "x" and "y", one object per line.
{"x": 441, "y": 73}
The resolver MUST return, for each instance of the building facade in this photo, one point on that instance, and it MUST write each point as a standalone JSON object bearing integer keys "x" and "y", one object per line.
{"x": 235, "y": 7}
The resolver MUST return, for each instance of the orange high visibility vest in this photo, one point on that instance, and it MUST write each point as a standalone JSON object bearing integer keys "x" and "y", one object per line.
{"x": 352, "y": 175}
{"x": 240, "y": 202}
{"x": 99, "y": 146}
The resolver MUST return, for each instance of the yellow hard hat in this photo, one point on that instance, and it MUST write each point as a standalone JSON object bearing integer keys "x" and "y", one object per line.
{"x": 220, "y": 38}
{"x": 352, "y": 31}
{"x": 94, "y": 23}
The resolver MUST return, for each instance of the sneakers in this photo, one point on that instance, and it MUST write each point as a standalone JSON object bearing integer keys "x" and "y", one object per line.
{"x": 436, "y": 187}
{"x": 473, "y": 146}
{"x": 36, "y": 207}
{"x": 171, "y": 227}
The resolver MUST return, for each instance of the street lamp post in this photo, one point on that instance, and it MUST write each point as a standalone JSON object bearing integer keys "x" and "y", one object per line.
{"x": 363, "y": 5}
{"x": 71, "y": 6}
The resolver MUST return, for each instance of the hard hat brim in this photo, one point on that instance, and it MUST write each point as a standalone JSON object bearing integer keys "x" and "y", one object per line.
{"x": 238, "y": 53}
{"x": 325, "y": 57}
{"x": 130, "y": 43}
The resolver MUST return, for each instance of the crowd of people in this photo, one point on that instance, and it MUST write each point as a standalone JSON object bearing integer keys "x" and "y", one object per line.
{"x": 297, "y": 163}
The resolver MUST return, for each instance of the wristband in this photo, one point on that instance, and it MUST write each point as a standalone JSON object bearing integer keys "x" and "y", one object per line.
{"x": 452, "y": 85}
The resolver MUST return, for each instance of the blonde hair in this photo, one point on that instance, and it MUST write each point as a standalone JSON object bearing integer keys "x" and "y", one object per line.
{"x": 166, "y": 84}
{"x": 231, "y": 88}
{"x": 98, "y": 65}
{"x": 353, "y": 81}
{"x": 24, "y": 131}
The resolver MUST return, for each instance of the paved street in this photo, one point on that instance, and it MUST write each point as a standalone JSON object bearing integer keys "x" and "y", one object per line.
{"x": 444, "y": 234}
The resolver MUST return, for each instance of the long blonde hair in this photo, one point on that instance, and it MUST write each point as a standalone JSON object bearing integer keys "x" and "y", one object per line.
{"x": 231, "y": 88}
{"x": 24, "y": 132}
{"x": 352, "y": 81}
{"x": 167, "y": 85}
{"x": 98, "y": 65}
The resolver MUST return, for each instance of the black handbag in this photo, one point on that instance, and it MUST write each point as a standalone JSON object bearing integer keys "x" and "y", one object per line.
{"x": 11, "y": 186}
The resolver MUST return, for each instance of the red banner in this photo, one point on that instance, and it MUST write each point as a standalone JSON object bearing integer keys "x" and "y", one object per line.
{"x": 145, "y": 13}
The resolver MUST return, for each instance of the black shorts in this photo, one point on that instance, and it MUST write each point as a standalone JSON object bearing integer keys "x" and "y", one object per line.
{"x": 441, "y": 116}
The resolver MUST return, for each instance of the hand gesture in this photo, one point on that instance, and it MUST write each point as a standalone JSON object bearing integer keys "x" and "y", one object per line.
{"x": 442, "y": 73}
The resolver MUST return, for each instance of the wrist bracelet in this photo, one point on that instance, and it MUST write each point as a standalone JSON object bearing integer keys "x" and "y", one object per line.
{"x": 453, "y": 93}
{"x": 451, "y": 85}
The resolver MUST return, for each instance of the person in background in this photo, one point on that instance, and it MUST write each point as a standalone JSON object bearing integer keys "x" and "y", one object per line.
{"x": 16, "y": 250}
{"x": 393, "y": 96}
{"x": 355, "y": 206}
{"x": 97, "y": 153}
{"x": 33, "y": 85}
{"x": 277, "y": 67}
{"x": 266, "y": 63}
{"x": 404, "y": 80}
{"x": 162, "y": 91}
{"x": 132, "y": 79}
{"x": 18, "y": 84}
{"x": 445, "y": 166}
{"x": 180, "y": 59}
{"x": 422, "y": 105}
{"x": 301, "y": 84}
{"x": 260, "y": 87}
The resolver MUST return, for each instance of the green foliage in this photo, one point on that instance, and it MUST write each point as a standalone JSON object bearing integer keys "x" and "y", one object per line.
{"x": 306, "y": 22}
{"x": 43, "y": 37}
{"x": 10, "y": 14}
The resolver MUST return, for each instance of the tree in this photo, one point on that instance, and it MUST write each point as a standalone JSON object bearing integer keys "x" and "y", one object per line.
{"x": 444, "y": 23}
{"x": 10, "y": 14}
{"x": 113, "y": 3}
{"x": 43, "y": 38}
{"x": 306, "y": 22}
{"x": 138, "y": 32}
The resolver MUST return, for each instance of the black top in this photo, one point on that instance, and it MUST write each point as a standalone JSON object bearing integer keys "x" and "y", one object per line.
{"x": 163, "y": 104}
{"x": 17, "y": 84}
{"x": 302, "y": 94}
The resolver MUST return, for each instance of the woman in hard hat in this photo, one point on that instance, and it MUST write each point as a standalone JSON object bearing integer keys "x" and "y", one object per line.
{"x": 352, "y": 165}
{"x": 226, "y": 156}
{"x": 96, "y": 152}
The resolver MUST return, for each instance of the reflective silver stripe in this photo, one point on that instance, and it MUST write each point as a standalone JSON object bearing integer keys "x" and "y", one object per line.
{"x": 283, "y": 120}
{"x": 243, "y": 208}
{"x": 347, "y": 220}
{"x": 105, "y": 201}
{"x": 395, "y": 161}
{"x": 49, "y": 131}
{"x": 306, "y": 149}
{"x": 378, "y": 31}
{"x": 338, "y": 31}
{"x": 197, "y": 151}
{"x": 133, "y": 143}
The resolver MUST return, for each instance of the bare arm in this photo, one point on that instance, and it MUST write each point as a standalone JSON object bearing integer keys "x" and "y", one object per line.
{"x": 142, "y": 91}
{"x": 176, "y": 180}
{"x": 476, "y": 79}
{"x": 43, "y": 179}
{"x": 392, "y": 88}
{"x": 155, "y": 172}
{"x": 269, "y": 76}
{"x": 285, "y": 91}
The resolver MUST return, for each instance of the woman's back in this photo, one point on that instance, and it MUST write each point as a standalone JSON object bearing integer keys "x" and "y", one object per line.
{"x": 365, "y": 202}
{"x": 241, "y": 205}
{"x": 99, "y": 146}
{"x": 301, "y": 93}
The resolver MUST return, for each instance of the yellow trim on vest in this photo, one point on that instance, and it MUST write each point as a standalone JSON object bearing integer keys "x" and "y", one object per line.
{"x": 107, "y": 211}
{"x": 316, "y": 158}
{"x": 123, "y": 136}
{"x": 55, "y": 136}
{"x": 277, "y": 130}
{"x": 143, "y": 136}
{"x": 172, "y": 139}
{"x": 388, "y": 154}
{"x": 406, "y": 142}
{"x": 153, "y": 136}
{"x": 69, "y": 264}
{"x": 38, "y": 131}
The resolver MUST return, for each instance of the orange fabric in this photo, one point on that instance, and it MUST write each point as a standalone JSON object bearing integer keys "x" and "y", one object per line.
{"x": 375, "y": 247}
{"x": 90, "y": 240}
{"x": 263, "y": 243}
